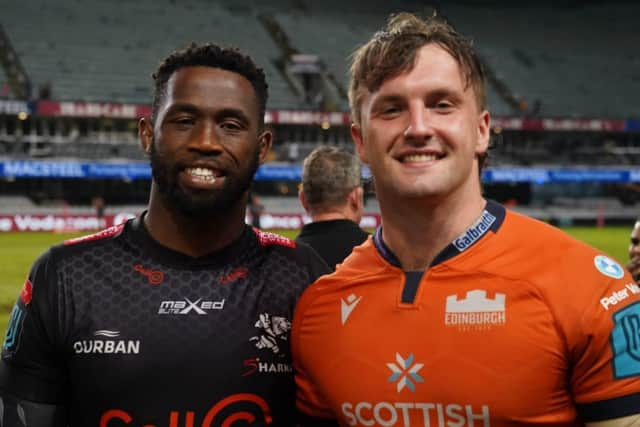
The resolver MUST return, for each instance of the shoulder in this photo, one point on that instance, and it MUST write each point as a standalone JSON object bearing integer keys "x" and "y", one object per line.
{"x": 290, "y": 251}
{"x": 46, "y": 267}
{"x": 529, "y": 250}
{"x": 83, "y": 243}
{"x": 362, "y": 267}
{"x": 522, "y": 236}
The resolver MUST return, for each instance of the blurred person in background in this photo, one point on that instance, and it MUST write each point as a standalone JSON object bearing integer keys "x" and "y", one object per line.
{"x": 180, "y": 316}
{"x": 634, "y": 252}
{"x": 331, "y": 192}
{"x": 457, "y": 311}
{"x": 256, "y": 209}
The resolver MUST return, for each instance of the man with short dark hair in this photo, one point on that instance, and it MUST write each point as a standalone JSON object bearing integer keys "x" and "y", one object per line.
{"x": 179, "y": 317}
{"x": 331, "y": 193}
{"x": 458, "y": 311}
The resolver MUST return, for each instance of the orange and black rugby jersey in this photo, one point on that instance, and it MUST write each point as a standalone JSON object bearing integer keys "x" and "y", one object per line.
{"x": 122, "y": 331}
{"x": 515, "y": 323}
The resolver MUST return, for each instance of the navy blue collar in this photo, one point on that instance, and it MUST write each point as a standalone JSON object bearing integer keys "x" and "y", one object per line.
{"x": 490, "y": 220}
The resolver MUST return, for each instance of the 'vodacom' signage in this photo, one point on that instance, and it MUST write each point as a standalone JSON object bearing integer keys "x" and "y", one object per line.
{"x": 61, "y": 223}
{"x": 73, "y": 222}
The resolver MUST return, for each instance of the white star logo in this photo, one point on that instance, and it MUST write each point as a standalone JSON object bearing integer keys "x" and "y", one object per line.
{"x": 405, "y": 372}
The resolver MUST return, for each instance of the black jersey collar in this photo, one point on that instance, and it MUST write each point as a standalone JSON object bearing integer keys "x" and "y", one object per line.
{"x": 140, "y": 237}
{"x": 490, "y": 219}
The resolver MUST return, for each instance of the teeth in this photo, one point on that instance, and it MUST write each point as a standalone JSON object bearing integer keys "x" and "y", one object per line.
{"x": 202, "y": 173}
{"x": 420, "y": 158}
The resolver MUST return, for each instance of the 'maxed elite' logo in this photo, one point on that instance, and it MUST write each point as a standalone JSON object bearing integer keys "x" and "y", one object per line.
{"x": 476, "y": 310}
{"x": 186, "y": 306}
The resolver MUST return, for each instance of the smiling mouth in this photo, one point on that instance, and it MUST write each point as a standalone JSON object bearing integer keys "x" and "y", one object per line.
{"x": 204, "y": 174}
{"x": 420, "y": 158}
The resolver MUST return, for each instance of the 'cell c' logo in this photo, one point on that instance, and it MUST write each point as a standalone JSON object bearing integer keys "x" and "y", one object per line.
{"x": 210, "y": 419}
{"x": 236, "y": 416}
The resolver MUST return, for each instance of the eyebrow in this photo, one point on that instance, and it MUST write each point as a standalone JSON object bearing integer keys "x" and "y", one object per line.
{"x": 233, "y": 112}
{"x": 182, "y": 108}
{"x": 431, "y": 95}
{"x": 218, "y": 114}
{"x": 387, "y": 99}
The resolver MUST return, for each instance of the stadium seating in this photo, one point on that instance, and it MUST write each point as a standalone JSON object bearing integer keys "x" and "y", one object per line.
{"x": 557, "y": 60}
{"x": 575, "y": 61}
{"x": 88, "y": 52}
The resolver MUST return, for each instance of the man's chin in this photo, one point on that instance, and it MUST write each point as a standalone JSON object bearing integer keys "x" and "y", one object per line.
{"x": 203, "y": 206}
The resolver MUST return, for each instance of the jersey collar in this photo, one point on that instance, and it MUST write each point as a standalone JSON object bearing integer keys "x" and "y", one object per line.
{"x": 490, "y": 219}
{"x": 141, "y": 238}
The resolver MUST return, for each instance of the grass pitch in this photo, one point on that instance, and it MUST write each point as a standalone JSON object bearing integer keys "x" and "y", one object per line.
{"x": 19, "y": 250}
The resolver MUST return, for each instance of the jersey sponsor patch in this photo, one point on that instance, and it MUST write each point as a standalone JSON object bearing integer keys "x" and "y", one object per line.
{"x": 14, "y": 330}
{"x": 248, "y": 407}
{"x": 625, "y": 342}
{"x": 608, "y": 267}
{"x": 475, "y": 232}
{"x": 106, "y": 341}
{"x": 405, "y": 377}
{"x": 619, "y": 295}
{"x": 267, "y": 239}
{"x": 16, "y": 319}
{"x": 109, "y": 232}
{"x": 404, "y": 373}
{"x": 476, "y": 311}
{"x": 273, "y": 333}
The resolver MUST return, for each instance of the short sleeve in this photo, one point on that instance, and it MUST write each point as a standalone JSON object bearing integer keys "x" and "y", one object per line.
{"x": 606, "y": 357}
{"x": 31, "y": 368}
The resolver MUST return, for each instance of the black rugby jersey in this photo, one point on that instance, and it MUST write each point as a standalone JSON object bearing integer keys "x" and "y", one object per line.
{"x": 123, "y": 331}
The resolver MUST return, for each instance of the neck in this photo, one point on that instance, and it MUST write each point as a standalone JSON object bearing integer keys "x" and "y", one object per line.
{"x": 327, "y": 216}
{"x": 335, "y": 213}
{"x": 418, "y": 230}
{"x": 193, "y": 236}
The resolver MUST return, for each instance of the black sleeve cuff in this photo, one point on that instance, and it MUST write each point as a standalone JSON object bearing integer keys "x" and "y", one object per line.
{"x": 618, "y": 407}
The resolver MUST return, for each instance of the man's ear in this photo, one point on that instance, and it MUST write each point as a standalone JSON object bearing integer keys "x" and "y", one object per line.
{"x": 358, "y": 141}
{"x": 484, "y": 132}
{"x": 265, "y": 139}
{"x": 356, "y": 200}
{"x": 303, "y": 199}
{"x": 145, "y": 134}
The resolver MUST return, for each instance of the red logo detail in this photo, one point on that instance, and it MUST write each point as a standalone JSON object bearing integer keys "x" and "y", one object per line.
{"x": 211, "y": 418}
{"x": 267, "y": 239}
{"x": 114, "y": 413}
{"x": 154, "y": 277}
{"x": 252, "y": 364}
{"x": 241, "y": 415}
{"x": 108, "y": 232}
{"x": 235, "y": 274}
{"x": 27, "y": 292}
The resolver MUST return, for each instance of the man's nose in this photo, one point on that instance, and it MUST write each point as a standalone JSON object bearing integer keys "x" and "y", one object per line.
{"x": 420, "y": 124}
{"x": 206, "y": 138}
